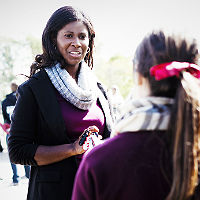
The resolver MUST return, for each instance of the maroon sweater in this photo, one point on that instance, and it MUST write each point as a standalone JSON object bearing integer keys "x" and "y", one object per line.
{"x": 126, "y": 167}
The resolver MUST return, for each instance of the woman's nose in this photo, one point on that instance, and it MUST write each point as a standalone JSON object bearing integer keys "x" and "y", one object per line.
{"x": 76, "y": 42}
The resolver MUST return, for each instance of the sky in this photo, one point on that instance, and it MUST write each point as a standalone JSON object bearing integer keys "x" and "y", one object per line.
{"x": 119, "y": 25}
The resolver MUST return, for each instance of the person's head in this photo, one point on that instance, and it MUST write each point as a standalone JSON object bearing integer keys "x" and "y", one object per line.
{"x": 114, "y": 89}
{"x": 67, "y": 26}
{"x": 157, "y": 48}
{"x": 183, "y": 134}
{"x": 13, "y": 87}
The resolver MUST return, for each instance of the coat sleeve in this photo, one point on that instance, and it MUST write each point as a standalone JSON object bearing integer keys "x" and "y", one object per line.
{"x": 22, "y": 140}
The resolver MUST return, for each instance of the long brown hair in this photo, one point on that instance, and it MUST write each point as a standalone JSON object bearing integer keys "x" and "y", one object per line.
{"x": 182, "y": 137}
{"x": 57, "y": 21}
{"x": 185, "y": 138}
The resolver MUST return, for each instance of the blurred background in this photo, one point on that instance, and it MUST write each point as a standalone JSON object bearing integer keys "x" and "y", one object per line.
{"x": 119, "y": 25}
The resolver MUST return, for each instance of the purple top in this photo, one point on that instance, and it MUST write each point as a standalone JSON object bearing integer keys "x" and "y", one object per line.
{"x": 124, "y": 167}
{"x": 77, "y": 120}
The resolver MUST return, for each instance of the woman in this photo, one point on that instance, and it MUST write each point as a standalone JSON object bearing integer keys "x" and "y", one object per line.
{"x": 56, "y": 105}
{"x": 155, "y": 151}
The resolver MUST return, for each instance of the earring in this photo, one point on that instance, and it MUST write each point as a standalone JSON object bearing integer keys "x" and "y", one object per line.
{"x": 55, "y": 47}
{"x": 88, "y": 50}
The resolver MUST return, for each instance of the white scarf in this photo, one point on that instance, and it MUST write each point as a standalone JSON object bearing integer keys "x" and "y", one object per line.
{"x": 150, "y": 113}
{"x": 81, "y": 95}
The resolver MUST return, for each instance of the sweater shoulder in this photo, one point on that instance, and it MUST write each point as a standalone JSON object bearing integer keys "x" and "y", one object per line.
{"x": 126, "y": 145}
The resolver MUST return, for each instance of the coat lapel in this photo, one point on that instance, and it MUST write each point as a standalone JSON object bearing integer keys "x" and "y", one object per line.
{"x": 45, "y": 95}
{"x": 105, "y": 104}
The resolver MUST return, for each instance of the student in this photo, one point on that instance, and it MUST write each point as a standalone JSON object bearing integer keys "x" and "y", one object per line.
{"x": 154, "y": 153}
{"x": 57, "y": 104}
{"x": 116, "y": 99}
{"x": 8, "y": 105}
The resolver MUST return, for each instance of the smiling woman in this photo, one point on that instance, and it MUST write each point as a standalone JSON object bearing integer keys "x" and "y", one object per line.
{"x": 72, "y": 43}
{"x": 57, "y": 104}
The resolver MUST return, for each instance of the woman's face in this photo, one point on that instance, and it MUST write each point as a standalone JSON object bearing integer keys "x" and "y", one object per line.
{"x": 72, "y": 42}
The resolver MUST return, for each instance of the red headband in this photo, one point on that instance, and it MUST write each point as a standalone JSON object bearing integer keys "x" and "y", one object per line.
{"x": 174, "y": 68}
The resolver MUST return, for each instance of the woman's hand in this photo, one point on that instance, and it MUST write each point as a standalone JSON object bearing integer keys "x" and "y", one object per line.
{"x": 93, "y": 129}
{"x": 77, "y": 149}
{"x": 92, "y": 138}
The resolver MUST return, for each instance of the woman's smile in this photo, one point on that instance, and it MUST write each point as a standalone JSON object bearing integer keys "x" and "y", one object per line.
{"x": 75, "y": 54}
{"x": 72, "y": 42}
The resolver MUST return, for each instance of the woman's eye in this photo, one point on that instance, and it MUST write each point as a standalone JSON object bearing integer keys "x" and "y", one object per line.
{"x": 68, "y": 35}
{"x": 82, "y": 37}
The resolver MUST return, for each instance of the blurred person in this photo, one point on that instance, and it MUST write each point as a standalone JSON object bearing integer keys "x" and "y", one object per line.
{"x": 8, "y": 105}
{"x": 116, "y": 99}
{"x": 61, "y": 100}
{"x": 1, "y": 147}
{"x": 154, "y": 152}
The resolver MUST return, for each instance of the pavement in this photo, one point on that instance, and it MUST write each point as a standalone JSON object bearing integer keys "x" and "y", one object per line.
{"x": 7, "y": 190}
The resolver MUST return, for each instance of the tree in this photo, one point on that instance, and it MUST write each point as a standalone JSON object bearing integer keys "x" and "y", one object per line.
{"x": 116, "y": 71}
{"x": 14, "y": 59}
{"x": 35, "y": 45}
{"x": 6, "y": 67}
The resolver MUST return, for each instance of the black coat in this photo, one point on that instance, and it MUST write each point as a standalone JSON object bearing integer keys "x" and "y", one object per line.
{"x": 10, "y": 100}
{"x": 37, "y": 120}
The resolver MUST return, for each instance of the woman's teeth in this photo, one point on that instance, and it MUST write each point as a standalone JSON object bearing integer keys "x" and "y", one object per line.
{"x": 75, "y": 52}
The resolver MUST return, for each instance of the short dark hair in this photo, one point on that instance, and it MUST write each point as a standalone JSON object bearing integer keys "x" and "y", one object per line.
{"x": 57, "y": 21}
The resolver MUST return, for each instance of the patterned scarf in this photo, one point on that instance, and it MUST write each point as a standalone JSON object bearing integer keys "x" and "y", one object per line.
{"x": 150, "y": 113}
{"x": 81, "y": 95}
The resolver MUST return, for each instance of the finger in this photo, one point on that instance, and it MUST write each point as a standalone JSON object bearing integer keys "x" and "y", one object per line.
{"x": 85, "y": 146}
{"x": 100, "y": 137}
{"x": 93, "y": 128}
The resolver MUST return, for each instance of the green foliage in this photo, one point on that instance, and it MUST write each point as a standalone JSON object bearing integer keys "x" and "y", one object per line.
{"x": 116, "y": 71}
{"x": 6, "y": 67}
{"x": 17, "y": 56}
{"x": 14, "y": 60}
{"x": 35, "y": 45}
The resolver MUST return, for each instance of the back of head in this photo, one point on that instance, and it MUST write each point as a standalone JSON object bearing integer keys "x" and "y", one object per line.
{"x": 157, "y": 48}
{"x": 56, "y": 22}
{"x": 183, "y": 131}
{"x": 14, "y": 87}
